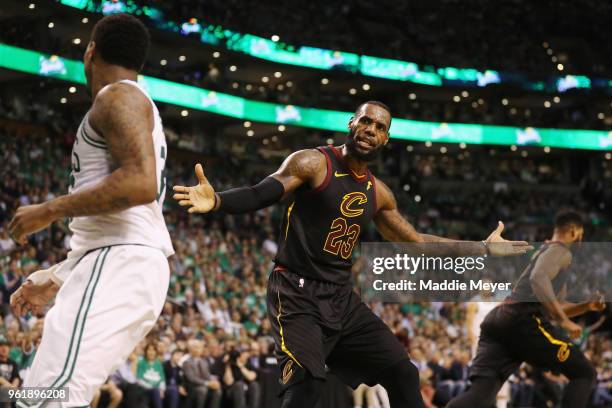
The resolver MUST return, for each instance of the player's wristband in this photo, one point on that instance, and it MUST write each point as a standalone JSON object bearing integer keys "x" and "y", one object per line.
{"x": 486, "y": 245}
{"x": 247, "y": 199}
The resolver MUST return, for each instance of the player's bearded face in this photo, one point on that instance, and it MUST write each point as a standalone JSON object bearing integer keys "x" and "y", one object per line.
{"x": 353, "y": 150}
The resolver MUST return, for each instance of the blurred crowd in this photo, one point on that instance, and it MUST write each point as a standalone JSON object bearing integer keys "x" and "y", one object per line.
{"x": 443, "y": 33}
{"x": 212, "y": 346}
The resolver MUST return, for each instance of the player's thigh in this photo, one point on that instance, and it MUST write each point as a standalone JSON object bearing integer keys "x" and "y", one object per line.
{"x": 297, "y": 334}
{"x": 365, "y": 349}
{"x": 110, "y": 301}
{"x": 493, "y": 359}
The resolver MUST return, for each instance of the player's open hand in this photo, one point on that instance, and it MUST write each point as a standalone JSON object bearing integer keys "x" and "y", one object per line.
{"x": 199, "y": 198}
{"x": 29, "y": 219}
{"x": 498, "y": 246}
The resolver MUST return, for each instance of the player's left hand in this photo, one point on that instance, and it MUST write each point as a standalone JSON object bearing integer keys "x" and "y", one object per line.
{"x": 32, "y": 298}
{"x": 499, "y": 246}
{"x": 598, "y": 303}
{"x": 29, "y": 219}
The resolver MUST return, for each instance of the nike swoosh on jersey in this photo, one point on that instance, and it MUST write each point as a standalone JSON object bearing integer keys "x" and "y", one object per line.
{"x": 340, "y": 174}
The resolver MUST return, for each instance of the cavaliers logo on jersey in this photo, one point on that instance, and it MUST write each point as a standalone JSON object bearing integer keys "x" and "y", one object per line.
{"x": 287, "y": 372}
{"x": 351, "y": 202}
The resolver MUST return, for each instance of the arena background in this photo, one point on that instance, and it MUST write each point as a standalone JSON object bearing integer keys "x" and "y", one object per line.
{"x": 502, "y": 110}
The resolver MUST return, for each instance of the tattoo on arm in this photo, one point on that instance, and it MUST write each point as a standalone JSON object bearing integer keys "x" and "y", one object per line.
{"x": 123, "y": 115}
{"x": 304, "y": 166}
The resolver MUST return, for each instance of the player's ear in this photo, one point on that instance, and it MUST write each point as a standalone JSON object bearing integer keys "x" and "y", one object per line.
{"x": 350, "y": 122}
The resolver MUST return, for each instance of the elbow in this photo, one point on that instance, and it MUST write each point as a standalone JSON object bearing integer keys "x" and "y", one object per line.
{"x": 145, "y": 193}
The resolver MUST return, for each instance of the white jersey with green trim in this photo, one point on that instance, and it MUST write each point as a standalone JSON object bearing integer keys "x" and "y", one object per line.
{"x": 140, "y": 225}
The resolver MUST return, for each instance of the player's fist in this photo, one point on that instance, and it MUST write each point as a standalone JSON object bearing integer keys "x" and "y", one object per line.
{"x": 597, "y": 304}
{"x": 498, "y": 246}
{"x": 199, "y": 198}
{"x": 29, "y": 219}
{"x": 572, "y": 329}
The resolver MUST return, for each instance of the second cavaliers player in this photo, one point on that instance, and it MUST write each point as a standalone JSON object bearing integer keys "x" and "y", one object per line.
{"x": 318, "y": 319}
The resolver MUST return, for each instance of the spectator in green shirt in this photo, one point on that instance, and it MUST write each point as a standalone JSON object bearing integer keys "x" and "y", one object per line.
{"x": 150, "y": 375}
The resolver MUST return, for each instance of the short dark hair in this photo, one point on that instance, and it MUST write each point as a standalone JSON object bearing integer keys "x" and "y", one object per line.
{"x": 377, "y": 103}
{"x": 122, "y": 39}
{"x": 568, "y": 218}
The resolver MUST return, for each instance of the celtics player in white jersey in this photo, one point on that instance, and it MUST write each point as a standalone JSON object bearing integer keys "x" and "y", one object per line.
{"x": 111, "y": 288}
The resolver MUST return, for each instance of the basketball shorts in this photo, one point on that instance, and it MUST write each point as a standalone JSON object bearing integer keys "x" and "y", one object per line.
{"x": 110, "y": 300}
{"x": 509, "y": 336}
{"x": 318, "y": 324}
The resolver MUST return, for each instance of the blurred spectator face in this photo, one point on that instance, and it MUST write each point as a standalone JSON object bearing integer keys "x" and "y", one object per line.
{"x": 255, "y": 349}
{"x": 4, "y": 351}
{"x": 150, "y": 352}
{"x": 176, "y": 356}
{"x": 243, "y": 357}
{"x": 195, "y": 348}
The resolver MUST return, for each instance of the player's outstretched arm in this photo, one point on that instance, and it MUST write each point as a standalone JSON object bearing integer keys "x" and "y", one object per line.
{"x": 304, "y": 166}
{"x": 395, "y": 228}
{"x": 124, "y": 117}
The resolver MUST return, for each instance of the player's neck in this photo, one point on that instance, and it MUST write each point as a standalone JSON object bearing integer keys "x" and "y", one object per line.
{"x": 359, "y": 167}
{"x": 109, "y": 74}
{"x": 561, "y": 238}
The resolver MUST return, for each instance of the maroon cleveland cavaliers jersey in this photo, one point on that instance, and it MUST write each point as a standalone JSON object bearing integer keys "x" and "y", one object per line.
{"x": 322, "y": 226}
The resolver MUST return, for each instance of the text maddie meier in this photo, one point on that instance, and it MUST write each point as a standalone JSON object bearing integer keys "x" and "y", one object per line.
{"x": 453, "y": 285}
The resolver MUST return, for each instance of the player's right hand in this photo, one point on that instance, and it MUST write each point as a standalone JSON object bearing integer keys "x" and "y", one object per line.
{"x": 200, "y": 198}
{"x": 573, "y": 330}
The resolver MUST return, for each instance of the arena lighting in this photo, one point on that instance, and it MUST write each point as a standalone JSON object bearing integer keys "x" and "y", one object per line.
{"x": 412, "y": 96}
{"x": 409, "y": 148}
{"x": 546, "y": 149}
{"x": 265, "y": 79}
{"x": 233, "y": 68}
{"x": 465, "y": 94}
{"x": 247, "y": 124}
{"x": 325, "y": 81}
{"x": 72, "y": 89}
{"x": 32, "y": 6}
{"x": 163, "y": 62}
{"x": 184, "y": 113}
{"x": 192, "y": 97}
{"x": 560, "y": 67}
{"x": 428, "y": 143}
{"x": 330, "y": 141}
{"x": 274, "y": 139}
{"x": 250, "y": 133}
{"x": 556, "y": 99}
{"x": 547, "y": 104}
{"x": 505, "y": 102}
{"x": 63, "y": 100}
{"x": 417, "y": 198}
{"x": 248, "y": 87}
{"x": 278, "y": 74}
{"x": 281, "y": 128}
{"x": 51, "y": 25}
{"x": 601, "y": 116}
{"x": 324, "y": 59}
{"x": 365, "y": 87}
{"x": 85, "y": 20}
{"x": 216, "y": 54}
{"x": 76, "y": 41}
{"x": 462, "y": 145}
{"x": 352, "y": 91}
{"x": 289, "y": 84}
{"x": 443, "y": 150}
{"x": 513, "y": 148}
{"x": 608, "y": 156}
{"x": 456, "y": 98}
{"x": 182, "y": 58}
